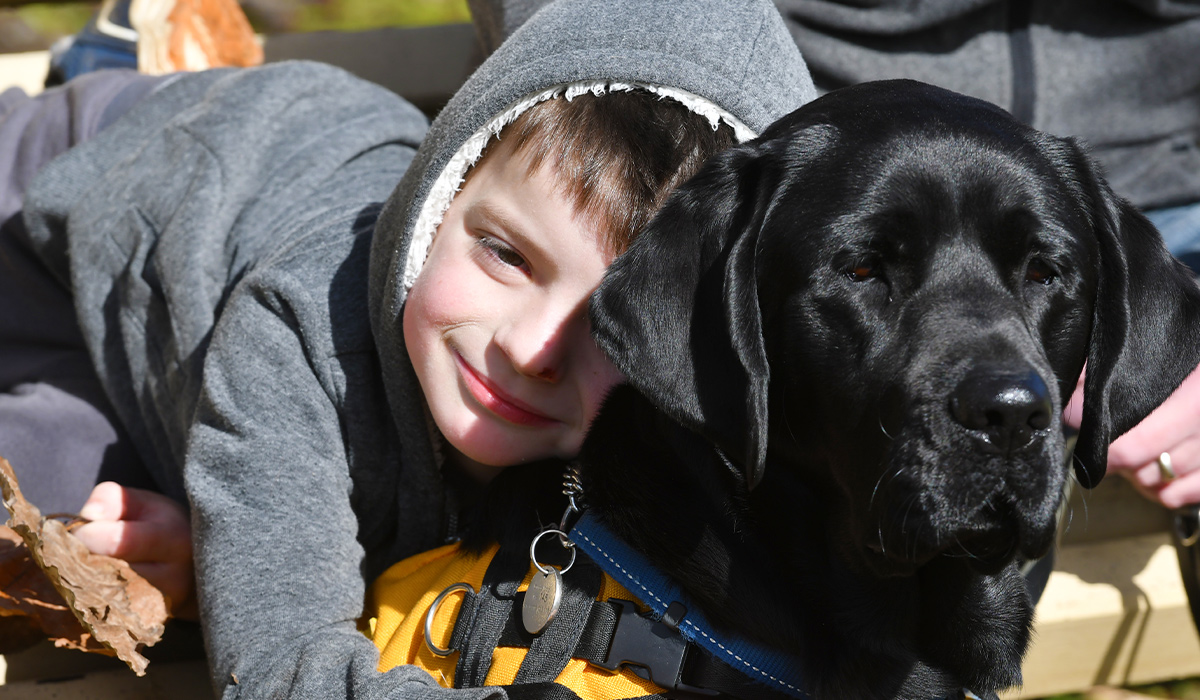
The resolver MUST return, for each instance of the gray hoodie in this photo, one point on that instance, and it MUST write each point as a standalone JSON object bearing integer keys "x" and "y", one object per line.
{"x": 241, "y": 294}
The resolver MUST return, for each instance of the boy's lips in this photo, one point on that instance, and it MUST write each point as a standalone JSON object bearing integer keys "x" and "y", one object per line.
{"x": 493, "y": 399}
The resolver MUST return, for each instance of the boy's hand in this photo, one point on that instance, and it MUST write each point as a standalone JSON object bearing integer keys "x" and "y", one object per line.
{"x": 149, "y": 531}
{"x": 1173, "y": 427}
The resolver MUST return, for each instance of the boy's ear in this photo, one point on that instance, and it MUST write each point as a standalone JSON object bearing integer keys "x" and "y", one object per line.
{"x": 1145, "y": 336}
{"x": 678, "y": 313}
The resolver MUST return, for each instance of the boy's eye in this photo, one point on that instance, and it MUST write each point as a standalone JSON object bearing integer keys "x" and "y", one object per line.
{"x": 501, "y": 252}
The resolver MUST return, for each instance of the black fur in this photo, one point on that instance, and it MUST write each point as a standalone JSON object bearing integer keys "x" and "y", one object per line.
{"x": 877, "y": 311}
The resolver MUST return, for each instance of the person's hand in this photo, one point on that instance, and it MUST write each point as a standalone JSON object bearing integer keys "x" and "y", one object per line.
{"x": 151, "y": 532}
{"x": 1174, "y": 428}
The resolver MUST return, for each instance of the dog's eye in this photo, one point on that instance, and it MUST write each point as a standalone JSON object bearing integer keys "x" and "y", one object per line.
{"x": 1038, "y": 271}
{"x": 861, "y": 272}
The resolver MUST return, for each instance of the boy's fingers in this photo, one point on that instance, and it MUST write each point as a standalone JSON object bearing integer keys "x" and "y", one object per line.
{"x": 137, "y": 541}
{"x": 111, "y": 501}
{"x": 106, "y": 502}
{"x": 162, "y": 554}
{"x": 173, "y": 580}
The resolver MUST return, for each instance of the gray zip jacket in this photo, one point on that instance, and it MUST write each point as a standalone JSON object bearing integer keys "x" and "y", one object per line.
{"x": 1123, "y": 75}
{"x": 240, "y": 252}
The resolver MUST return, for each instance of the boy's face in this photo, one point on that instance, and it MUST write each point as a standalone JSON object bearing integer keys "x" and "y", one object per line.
{"x": 496, "y": 323}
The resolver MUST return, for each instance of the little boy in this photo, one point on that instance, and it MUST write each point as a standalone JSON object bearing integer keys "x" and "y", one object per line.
{"x": 330, "y": 380}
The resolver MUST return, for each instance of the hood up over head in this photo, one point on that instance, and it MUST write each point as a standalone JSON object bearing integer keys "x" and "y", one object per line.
{"x": 730, "y": 61}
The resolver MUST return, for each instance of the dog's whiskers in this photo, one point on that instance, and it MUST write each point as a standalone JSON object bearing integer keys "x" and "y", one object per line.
{"x": 879, "y": 419}
{"x": 965, "y": 553}
{"x": 879, "y": 482}
{"x": 1084, "y": 494}
{"x": 912, "y": 501}
{"x": 987, "y": 502}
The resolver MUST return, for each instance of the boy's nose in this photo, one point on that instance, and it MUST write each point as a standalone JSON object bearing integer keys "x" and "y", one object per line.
{"x": 538, "y": 344}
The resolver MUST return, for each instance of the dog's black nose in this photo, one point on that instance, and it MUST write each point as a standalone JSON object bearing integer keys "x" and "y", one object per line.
{"x": 1008, "y": 407}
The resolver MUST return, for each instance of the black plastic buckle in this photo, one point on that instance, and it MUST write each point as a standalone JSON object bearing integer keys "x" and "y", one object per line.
{"x": 654, "y": 650}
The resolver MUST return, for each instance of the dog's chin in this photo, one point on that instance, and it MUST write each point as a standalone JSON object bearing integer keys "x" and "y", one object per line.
{"x": 986, "y": 560}
{"x": 987, "y": 552}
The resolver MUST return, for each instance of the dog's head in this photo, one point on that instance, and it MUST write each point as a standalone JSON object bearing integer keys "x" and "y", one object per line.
{"x": 890, "y": 295}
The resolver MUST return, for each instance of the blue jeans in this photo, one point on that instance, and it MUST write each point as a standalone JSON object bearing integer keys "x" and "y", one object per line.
{"x": 1180, "y": 228}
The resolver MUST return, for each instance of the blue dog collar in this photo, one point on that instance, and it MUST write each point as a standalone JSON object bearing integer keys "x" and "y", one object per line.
{"x": 617, "y": 559}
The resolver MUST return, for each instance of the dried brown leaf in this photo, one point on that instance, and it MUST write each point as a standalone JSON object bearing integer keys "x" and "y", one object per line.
{"x": 30, "y": 607}
{"x": 120, "y": 608}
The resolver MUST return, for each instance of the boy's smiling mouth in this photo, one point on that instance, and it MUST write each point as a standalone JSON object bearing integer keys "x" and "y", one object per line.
{"x": 496, "y": 401}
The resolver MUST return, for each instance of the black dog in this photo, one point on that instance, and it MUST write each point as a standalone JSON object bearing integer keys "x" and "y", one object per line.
{"x": 867, "y": 322}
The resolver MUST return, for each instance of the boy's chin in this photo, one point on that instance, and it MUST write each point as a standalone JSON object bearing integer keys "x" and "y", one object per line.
{"x": 482, "y": 455}
{"x": 481, "y": 473}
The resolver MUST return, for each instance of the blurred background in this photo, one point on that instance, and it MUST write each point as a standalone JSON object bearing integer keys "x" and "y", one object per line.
{"x": 26, "y": 26}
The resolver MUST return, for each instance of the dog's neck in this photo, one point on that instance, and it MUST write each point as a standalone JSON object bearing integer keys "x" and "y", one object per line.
{"x": 761, "y": 564}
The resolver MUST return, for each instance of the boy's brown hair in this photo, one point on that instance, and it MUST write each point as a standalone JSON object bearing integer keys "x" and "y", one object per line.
{"x": 617, "y": 155}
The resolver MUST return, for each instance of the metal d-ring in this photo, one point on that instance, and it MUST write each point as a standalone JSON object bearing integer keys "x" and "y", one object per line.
{"x": 1187, "y": 526}
{"x": 452, "y": 588}
{"x": 566, "y": 543}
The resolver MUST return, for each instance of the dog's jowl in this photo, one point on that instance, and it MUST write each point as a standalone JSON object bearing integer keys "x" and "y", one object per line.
{"x": 851, "y": 341}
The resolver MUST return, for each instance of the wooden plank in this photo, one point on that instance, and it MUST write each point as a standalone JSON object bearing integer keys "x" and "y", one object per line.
{"x": 186, "y": 680}
{"x": 24, "y": 70}
{"x": 1113, "y": 613}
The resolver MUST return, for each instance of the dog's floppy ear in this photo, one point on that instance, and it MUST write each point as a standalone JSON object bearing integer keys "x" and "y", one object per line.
{"x": 1145, "y": 336}
{"x": 678, "y": 312}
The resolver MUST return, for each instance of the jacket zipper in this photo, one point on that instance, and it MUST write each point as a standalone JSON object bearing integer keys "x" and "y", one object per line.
{"x": 1024, "y": 85}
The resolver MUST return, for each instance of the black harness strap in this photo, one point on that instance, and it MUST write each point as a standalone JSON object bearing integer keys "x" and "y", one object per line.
{"x": 594, "y": 637}
{"x": 540, "y": 691}
{"x": 550, "y": 651}
{"x": 489, "y": 612}
{"x": 552, "y": 691}
{"x": 648, "y": 648}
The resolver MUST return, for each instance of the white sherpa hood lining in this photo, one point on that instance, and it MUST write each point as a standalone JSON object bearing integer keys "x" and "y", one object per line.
{"x": 451, "y": 178}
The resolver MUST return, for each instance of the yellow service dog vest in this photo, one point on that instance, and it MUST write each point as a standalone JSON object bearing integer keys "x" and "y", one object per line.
{"x": 601, "y": 644}
{"x": 400, "y": 599}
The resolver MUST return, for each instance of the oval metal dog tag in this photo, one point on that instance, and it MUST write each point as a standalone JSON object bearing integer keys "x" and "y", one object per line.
{"x": 541, "y": 600}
